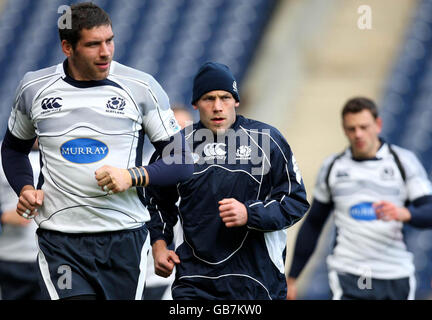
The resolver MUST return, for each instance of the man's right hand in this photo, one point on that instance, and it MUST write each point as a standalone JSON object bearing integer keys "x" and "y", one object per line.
{"x": 164, "y": 259}
{"x": 28, "y": 202}
{"x": 292, "y": 289}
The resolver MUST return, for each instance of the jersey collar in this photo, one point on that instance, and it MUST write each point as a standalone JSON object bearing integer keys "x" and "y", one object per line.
{"x": 86, "y": 84}
{"x": 378, "y": 156}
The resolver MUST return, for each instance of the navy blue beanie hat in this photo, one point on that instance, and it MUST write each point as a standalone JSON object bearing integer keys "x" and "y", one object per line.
{"x": 214, "y": 76}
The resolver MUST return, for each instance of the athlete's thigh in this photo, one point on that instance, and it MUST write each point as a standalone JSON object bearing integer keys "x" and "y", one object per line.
{"x": 122, "y": 264}
{"x": 64, "y": 264}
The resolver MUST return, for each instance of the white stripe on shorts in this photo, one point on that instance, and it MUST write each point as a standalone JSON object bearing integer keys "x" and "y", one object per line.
{"x": 413, "y": 286}
{"x": 143, "y": 269}
{"x": 335, "y": 285}
{"x": 43, "y": 265}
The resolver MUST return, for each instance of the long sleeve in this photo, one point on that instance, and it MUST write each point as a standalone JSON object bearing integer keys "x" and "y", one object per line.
{"x": 19, "y": 139}
{"x": 15, "y": 161}
{"x": 308, "y": 235}
{"x": 287, "y": 202}
{"x": 161, "y": 204}
{"x": 175, "y": 163}
{"x": 421, "y": 212}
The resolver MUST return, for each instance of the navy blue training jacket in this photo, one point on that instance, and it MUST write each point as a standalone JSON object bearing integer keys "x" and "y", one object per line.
{"x": 254, "y": 164}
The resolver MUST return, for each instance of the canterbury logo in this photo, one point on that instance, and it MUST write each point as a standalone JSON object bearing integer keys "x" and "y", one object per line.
{"x": 51, "y": 103}
{"x": 214, "y": 150}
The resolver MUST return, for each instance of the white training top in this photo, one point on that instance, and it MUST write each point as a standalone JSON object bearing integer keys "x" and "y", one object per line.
{"x": 81, "y": 126}
{"x": 17, "y": 243}
{"x": 364, "y": 245}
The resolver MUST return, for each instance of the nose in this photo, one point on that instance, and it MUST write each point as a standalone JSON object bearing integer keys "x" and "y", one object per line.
{"x": 358, "y": 133}
{"x": 104, "y": 50}
{"x": 217, "y": 106}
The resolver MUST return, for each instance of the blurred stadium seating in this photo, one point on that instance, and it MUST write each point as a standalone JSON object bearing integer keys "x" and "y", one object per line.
{"x": 407, "y": 113}
{"x": 171, "y": 38}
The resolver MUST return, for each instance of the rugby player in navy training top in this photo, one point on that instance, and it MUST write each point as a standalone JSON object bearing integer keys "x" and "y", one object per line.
{"x": 373, "y": 188}
{"x": 245, "y": 192}
{"x": 90, "y": 114}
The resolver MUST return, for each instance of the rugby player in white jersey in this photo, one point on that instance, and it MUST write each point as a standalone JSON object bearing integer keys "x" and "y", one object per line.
{"x": 372, "y": 188}
{"x": 90, "y": 115}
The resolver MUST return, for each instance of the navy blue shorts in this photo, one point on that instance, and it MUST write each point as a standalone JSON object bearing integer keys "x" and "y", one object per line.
{"x": 347, "y": 286}
{"x": 109, "y": 265}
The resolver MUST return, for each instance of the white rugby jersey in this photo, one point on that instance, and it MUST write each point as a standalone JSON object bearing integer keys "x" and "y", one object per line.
{"x": 81, "y": 126}
{"x": 364, "y": 245}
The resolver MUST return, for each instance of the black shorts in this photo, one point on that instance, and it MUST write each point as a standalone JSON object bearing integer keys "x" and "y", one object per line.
{"x": 109, "y": 265}
{"x": 347, "y": 286}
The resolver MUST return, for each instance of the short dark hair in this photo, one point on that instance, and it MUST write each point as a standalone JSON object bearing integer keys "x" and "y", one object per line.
{"x": 358, "y": 104}
{"x": 85, "y": 15}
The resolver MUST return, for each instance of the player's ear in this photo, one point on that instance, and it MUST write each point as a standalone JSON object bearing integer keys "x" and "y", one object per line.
{"x": 378, "y": 122}
{"x": 66, "y": 48}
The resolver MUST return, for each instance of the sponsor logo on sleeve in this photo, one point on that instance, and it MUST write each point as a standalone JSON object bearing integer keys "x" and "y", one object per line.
{"x": 173, "y": 124}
